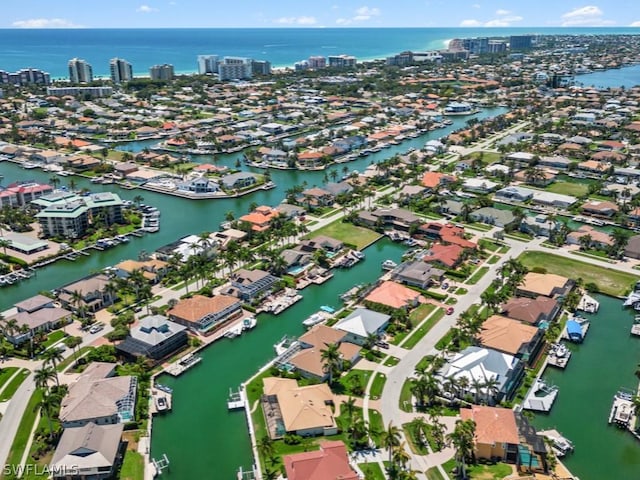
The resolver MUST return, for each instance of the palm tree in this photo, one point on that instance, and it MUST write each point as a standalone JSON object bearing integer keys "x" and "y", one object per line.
{"x": 137, "y": 200}
{"x": 78, "y": 300}
{"x": 73, "y": 343}
{"x": 43, "y": 376}
{"x": 400, "y": 456}
{"x": 462, "y": 439}
{"x": 47, "y": 406}
{"x": 53, "y": 356}
{"x": 421, "y": 430}
{"x": 4, "y": 243}
{"x": 331, "y": 360}
{"x": 349, "y": 407}
{"x": 390, "y": 439}
{"x": 266, "y": 448}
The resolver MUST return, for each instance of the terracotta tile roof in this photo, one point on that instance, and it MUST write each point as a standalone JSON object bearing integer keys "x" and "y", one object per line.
{"x": 448, "y": 255}
{"x": 542, "y": 283}
{"x": 394, "y": 295}
{"x": 528, "y": 309}
{"x": 505, "y": 335}
{"x": 493, "y": 425}
{"x": 194, "y": 308}
{"x": 329, "y": 463}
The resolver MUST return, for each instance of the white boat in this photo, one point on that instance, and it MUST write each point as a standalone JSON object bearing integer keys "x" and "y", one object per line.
{"x": 389, "y": 265}
{"x": 561, "y": 350}
{"x": 313, "y": 319}
{"x": 234, "y": 332}
{"x": 358, "y": 254}
{"x": 249, "y": 323}
{"x": 161, "y": 404}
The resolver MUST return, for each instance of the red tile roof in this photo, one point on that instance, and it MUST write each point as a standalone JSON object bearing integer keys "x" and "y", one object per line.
{"x": 329, "y": 463}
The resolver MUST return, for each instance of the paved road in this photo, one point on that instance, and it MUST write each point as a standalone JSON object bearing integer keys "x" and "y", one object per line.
{"x": 11, "y": 419}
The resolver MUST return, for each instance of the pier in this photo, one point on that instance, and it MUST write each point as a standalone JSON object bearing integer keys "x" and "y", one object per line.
{"x": 540, "y": 397}
{"x": 183, "y": 364}
{"x": 635, "y": 328}
{"x": 236, "y": 400}
{"x": 621, "y": 413}
{"x": 588, "y": 304}
{"x": 559, "y": 355}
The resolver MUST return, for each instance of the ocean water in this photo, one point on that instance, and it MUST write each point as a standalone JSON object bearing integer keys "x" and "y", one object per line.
{"x": 51, "y": 49}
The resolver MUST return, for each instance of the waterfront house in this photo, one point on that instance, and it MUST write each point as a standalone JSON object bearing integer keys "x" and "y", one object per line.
{"x": 514, "y": 194}
{"x": 398, "y": 218}
{"x": 289, "y": 408}
{"x": 479, "y": 365}
{"x": 316, "y": 197}
{"x": 532, "y": 310}
{"x": 33, "y": 315}
{"x": 493, "y": 216}
{"x": 27, "y": 191}
{"x": 362, "y": 323}
{"x": 600, "y": 208}
{"x": 98, "y": 397}
{"x": 92, "y": 293}
{"x": 546, "y": 284}
{"x": 205, "y": 314}
{"x": 154, "y": 337}
{"x": 394, "y": 295}
{"x": 598, "y": 239}
{"x": 331, "y": 462}
{"x": 434, "y": 180}
{"x": 239, "y": 180}
{"x": 496, "y": 435}
{"x": 200, "y": 185}
{"x": 448, "y": 256}
{"x": 260, "y": 218}
{"x": 418, "y": 274}
{"x": 308, "y": 360}
{"x": 250, "y": 285}
{"x": 153, "y": 270}
{"x": 479, "y": 185}
{"x": 538, "y": 225}
{"x": 513, "y": 337}
{"x": 328, "y": 244}
{"x": 90, "y": 452}
{"x": 632, "y": 250}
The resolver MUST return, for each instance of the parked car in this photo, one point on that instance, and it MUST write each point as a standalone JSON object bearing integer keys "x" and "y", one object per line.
{"x": 96, "y": 328}
{"x": 449, "y": 310}
{"x": 382, "y": 344}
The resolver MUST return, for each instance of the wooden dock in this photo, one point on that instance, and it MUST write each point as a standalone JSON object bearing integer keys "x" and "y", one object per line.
{"x": 559, "y": 356}
{"x": 183, "y": 364}
{"x": 236, "y": 400}
{"x": 621, "y": 413}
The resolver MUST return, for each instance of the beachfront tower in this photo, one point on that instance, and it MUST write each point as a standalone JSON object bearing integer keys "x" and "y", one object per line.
{"x": 235, "y": 68}
{"x": 208, "y": 64}
{"x": 80, "y": 71}
{"x": 121, "y": 70}
{"x": 161, "y": 72}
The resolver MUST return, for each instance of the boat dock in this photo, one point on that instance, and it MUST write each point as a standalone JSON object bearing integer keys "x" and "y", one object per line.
{"x": 561, "y": 445}
{"x": 559, "y": 355}
{"x": 588, "y": 304}
{"x": 278, "y": 304}
{"x": 162, "y": 400}
{"x": 236, "y": 400}
{"x": 576, "y": 329}
{"x": 635, "y": 328}
{"x": 540, "y": 397}
{"x": 621, "y": 413}
{"x": 183, "y": 364}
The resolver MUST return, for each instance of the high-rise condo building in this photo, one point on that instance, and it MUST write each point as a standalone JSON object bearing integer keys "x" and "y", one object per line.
{"x": 161, "y": 72}
{"x": 80, "y": 71}
{"x": 521, "y": 42}
{"x": 25, "y": 76}
{"x": 235, "y": 68}
{"x": 121, "y": 70}
{"x": 208, "y": 64}
{"x": 342, "y": 61}
{"x": 316, "y": 62}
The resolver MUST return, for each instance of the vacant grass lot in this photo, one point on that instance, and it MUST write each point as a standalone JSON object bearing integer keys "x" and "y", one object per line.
{"x": 347, "y": 233}
{"x": 568, "y": 188}
{"x": 608, "y": 281}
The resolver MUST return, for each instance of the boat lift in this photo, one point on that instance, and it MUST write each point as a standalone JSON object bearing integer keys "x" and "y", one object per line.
{"x": 161, "y": 464}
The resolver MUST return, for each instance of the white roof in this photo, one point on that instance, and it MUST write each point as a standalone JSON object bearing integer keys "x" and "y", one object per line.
{"x": 362, "y": 322}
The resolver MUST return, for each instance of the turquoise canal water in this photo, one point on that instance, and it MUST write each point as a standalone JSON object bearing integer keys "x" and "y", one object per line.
{"x": 200, "y": 437}
{"x": 181, "y": 217}
{"x": 604, "y": 363}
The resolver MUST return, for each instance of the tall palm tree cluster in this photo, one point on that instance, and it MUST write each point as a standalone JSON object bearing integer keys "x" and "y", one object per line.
{"x": 462, "y": 439}
{"x": 399, "y": 459}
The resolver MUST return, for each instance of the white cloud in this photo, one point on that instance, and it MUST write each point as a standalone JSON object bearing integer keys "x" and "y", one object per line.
{"x": 470, "y": 23}
{"x": 362, "y": 14}
{"x": 45, "y": 23}
{"x": 476, "y": 5}
{"x": 146, "y": 9}
{"x": 589, "y": 15}
{"x": 635, "y": 24}
{"x": 502, "y": 12}
{"x": 503, "y": 21}
{"x": 297, "y": 20}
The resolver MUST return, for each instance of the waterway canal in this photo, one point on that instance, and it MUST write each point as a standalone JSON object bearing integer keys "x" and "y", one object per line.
{"x": 605, "y": 362}
{"x": 181, "y": 217}
{"x": 202, "y": 439}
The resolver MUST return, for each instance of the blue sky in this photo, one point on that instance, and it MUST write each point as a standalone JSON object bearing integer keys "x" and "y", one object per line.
{"x": 317, "y": 13}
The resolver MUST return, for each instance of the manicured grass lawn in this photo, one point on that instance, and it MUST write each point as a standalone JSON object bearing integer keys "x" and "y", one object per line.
{"x": 419, "y": 314}
{"x": 608, "y": 281}
{"x": 423, "y": 329}
{"x": 461, "y": 291}
{"x": 72, "y": 358}
{"x": 24, "y": 431}
{"x": 522, "y": 237}
{"x": 493, "y": 259}
{"x": 346, "y": 382}
{"x": 391, "y": 361}
{"x": 53, "y": 337}
{"x": 132, "y": 466}
{"x": 415, "y": 444}
{"x": 475, "y": 278}
{"x": 347, "y": 233}
{"x": 372, "y": 471}
{"x": 13, "y": 385}
{"x": 568, "y": 188}
{"x": 5, "y": 375}
{"x": 478, "y": 226}
{"x": 406, "y": 397}
{"x": 489, "y": 472}
{"x": 489, "y": 245}
{"x": 377, "y": 385}
{"x": 434, "y": 474}
{"x": 376, "y": 425}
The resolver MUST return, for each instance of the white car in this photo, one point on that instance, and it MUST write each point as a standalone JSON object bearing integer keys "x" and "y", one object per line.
{"x": 96, "y": 328}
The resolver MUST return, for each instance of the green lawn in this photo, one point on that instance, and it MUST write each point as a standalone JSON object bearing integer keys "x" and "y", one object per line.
{"x": 376, "y": 425}
{"x": 5, "y": 375}
{"x": 377, "y": 385}
{"x": 13, "y": 385}
{"x": 72, "y": 358}
{"x": 406, "y": 397}
{"x": 475, "y": 278}
{"x": 53, "y": 337}
{"x": 489, "y": 472}
{"x": 414, "y": 442}
{"x": 346, "y": 382}
{"x": 132, "y": 466}
{"x": 461, "y": 291}
{"x": 493, "y": 259}
{"x": 434, "y": 474}
{"x": 391, "y": 361}
{"x": 608, "y": 281}
{"x": 347, "y": 233}
{"x": 423, "y": 329}
{"x": 488, "y": 245}
{"x": 24, "y": 432}
{"x": 419, "y": 314}
{"x": 372, "y": 471}
{"x": 568, "y": 188}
